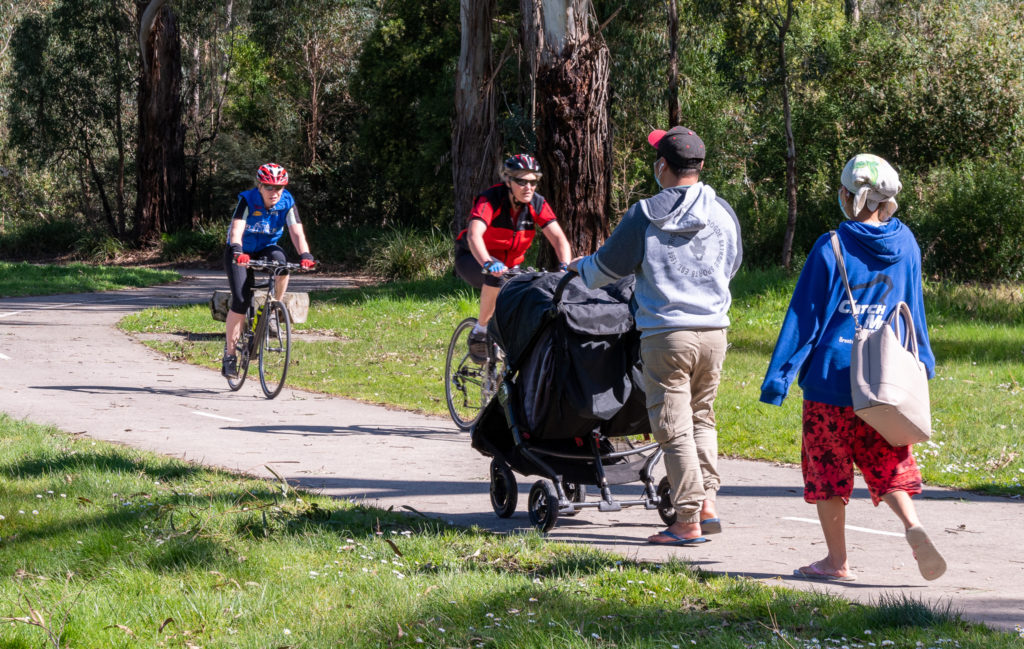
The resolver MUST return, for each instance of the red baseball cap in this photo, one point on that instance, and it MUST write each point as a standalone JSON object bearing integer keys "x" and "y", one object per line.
{"x": 677, "y": 144}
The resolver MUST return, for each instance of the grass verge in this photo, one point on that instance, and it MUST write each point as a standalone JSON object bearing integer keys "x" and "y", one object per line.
{"x": 21, "y": 279}
{"x": 386, "y": 344}
{"x": 103, "y": 546}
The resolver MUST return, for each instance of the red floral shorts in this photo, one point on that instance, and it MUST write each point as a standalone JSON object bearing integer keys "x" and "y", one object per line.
{"x": 834, "y": 440}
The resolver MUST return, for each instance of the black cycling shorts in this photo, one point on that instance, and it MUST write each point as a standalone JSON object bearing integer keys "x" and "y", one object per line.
{"x": 241, "y": 279}
{"x": 470, "y": 270}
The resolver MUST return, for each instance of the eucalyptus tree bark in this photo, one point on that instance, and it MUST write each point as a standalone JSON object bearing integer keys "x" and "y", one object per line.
{"x": 476, "y": 144}
{"x": 570, "y": 65}
{"x": 853, "y": 11}
{"x": 160, "y": 157}
{"x": 782, "y": 20}
{"x": 673, "y": 63}
{"x": 206, "y": 91}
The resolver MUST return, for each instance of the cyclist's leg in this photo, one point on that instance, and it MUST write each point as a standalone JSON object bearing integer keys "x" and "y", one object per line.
{"x": 240, "y": 282}
{"x": 469, "y": 269}
{"x": 276, "y": 253}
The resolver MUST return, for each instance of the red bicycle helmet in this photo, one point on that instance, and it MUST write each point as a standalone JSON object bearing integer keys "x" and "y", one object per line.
{"x": 522, "y": 162}
{"x": 272, "y": 174}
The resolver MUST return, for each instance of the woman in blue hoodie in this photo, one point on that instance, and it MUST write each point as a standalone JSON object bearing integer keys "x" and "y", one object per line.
{"x": 883, "y": 262}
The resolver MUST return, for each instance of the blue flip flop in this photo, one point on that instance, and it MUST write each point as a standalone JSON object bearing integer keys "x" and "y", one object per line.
{"x": 678, "y": 539}
{"x": 711, "y": 526}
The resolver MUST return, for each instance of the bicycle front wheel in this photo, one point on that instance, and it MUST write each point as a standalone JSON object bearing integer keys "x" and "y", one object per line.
{"x": 468, "y": 385}
{"x": 275, "y": 348}
{"x": 242, "y": 354}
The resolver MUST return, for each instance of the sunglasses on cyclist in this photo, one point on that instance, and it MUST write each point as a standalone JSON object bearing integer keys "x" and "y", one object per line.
{"x": 273, "y": 188}
{"x": 522, "y": 182}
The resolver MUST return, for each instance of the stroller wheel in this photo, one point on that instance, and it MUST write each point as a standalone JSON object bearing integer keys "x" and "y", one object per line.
{"x": 543, "y": 505}
{"x": 665, "y": 508}
{"x": 575, "y": 493}
{"x": 504, "y": 490}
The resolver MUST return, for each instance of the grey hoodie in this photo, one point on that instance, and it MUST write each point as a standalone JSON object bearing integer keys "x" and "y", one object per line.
{"x": 684, "y": 246}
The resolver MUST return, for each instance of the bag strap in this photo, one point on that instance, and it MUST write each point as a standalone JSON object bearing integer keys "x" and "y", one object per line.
{"x": 902, "y": 312}
{"x": 838, "y": 250}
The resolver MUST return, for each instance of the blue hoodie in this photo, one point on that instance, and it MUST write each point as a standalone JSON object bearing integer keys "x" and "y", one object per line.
{"x": 884, "y": 267}
{"x": 684, "y": 246}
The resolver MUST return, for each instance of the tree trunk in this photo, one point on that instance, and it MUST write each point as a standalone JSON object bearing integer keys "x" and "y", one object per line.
{"x": 160, "y": 158}
{"x": 787, "y": 240}
{"x": 574, "y": 142}
{"x": 673, "y": 63}
{"x": 476, "y": 144}
{"x": 86, "y": 151}
{"x": 853, "y": 11}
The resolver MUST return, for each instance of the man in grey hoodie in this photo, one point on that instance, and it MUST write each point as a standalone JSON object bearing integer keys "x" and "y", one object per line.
{"x": 683, "y": 245}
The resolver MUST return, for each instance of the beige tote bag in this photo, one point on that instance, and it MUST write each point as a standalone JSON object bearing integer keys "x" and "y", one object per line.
{"x": 888, "y": 382}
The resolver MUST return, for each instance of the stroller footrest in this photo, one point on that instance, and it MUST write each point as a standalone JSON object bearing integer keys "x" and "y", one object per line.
{"x": 609, "y": 506}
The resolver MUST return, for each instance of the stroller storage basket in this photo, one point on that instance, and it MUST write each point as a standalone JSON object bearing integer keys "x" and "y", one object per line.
{"x": 571, "y": 404}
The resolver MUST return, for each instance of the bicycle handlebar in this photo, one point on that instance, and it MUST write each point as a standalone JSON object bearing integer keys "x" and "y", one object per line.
{"x": 273, "y": 266}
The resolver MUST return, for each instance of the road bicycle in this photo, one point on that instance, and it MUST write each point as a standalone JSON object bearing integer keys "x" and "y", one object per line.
{"x": 469, "y": 385}
{"x": 267, "y": 334}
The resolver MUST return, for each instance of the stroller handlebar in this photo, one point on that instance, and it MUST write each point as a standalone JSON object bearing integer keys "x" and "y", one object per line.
{"x": 562, "y": 283}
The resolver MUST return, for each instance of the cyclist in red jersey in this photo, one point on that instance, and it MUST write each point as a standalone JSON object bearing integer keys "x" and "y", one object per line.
{"x": 500, "y": 230}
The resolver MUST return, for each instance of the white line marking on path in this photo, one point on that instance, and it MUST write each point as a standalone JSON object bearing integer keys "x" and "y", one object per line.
{"x": 206, "y": 414}
{"x": 40, "y": 308}
{"x": 5, "y": 357}
{"x": 849, "y": 527}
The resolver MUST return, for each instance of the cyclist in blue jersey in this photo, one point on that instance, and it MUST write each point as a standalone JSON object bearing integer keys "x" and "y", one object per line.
{"x": 260, "y": 218}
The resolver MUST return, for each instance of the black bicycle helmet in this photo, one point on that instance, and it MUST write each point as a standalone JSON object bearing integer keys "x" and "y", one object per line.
{"x": 522, "y": 162}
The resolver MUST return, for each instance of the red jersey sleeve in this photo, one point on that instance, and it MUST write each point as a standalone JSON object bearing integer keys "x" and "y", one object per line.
{"x": 546, "y": 216}
{"x": 482, "y": 210}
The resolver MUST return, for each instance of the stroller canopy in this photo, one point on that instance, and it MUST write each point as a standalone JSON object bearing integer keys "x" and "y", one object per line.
{"x": 526, "y": 304}
{"x": 573, "y": 355}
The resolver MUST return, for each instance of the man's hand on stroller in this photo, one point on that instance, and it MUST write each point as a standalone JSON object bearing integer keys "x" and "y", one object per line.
{"x": 306, "y": 261}
{"x": 494, "y": 267}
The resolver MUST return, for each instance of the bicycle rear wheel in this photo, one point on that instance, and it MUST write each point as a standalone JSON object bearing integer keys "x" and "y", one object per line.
{"x": 275, "y": 348}
{"x": 468, "y": 385}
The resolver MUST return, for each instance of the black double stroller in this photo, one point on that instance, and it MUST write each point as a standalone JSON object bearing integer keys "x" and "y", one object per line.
{"x": 571, "y": 407}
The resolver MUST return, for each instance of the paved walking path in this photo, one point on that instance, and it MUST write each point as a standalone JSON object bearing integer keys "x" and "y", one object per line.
{"x": 63, "y": 362}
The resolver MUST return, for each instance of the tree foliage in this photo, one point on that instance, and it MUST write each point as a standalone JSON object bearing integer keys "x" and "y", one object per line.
{"x": 357, "y": 99}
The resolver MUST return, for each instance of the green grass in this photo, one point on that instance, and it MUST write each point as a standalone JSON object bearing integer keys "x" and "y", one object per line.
{"x": 388, "y": 344}
{"x": 391, "y": 341}
{"x": 103, "y": 546}
{"x": 21, "y": 279}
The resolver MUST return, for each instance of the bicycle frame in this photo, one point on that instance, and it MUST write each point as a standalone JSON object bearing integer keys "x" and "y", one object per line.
{"x": 254, "y": 332}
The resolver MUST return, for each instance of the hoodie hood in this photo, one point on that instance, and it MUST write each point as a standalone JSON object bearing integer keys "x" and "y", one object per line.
{"x": 889, "y": 242}
{"x": 680, "y": 210}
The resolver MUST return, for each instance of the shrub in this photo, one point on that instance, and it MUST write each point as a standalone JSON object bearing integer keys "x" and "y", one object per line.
{"x": 347, "y": 245}
{"x": 41, "y": 238}
{"x": 406, "y": 254}
{"x": 98, "y": 246}
{"x": 969, "y": 220}
{"x": 188, "y": 245}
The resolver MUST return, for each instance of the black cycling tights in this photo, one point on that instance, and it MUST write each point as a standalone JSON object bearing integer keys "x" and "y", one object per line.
{"x": 241, "y": 279}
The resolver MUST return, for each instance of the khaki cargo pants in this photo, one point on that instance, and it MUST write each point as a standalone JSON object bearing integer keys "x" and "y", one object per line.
{"x": 682, "y": 370}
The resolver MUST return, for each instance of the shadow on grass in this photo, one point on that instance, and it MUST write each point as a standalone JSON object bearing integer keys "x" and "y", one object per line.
{"x": 110, "y": 462}
{"x": 988, "y": 351}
